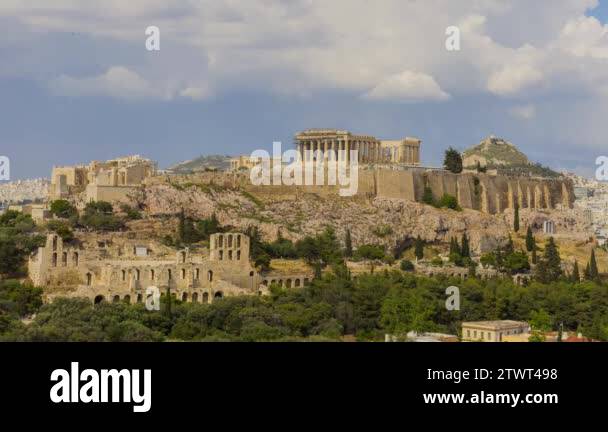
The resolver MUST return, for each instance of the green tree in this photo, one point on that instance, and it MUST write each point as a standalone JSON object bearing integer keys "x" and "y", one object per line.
{"x": 553, "y": 261}
{"x": 407, "y": 266}
{"x": 448, "y": 201}
{"x": 516, "y": 218}
{"x": 63, "y": 209}
{"x": 348, "y": 244}
{"x": 541, "y": 320}
{"x": 453, "y": 161}
{"x": 548, "y": 268}
{"x": 465, "y": 249}
{"x": 530, "y": 242}
{"x": 427, "y": 196}
{"x": 593, "y": 271}
{"x": 62, "y": 229}
{"x": 419, "y": 248}
{"x": 517, "y": 262}
{"x": 576, "y": 277}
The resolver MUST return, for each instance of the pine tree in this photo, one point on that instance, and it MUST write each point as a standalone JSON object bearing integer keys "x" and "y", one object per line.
{"x": 419, "y": 248}
{"x": 453, "y": 161}
{"x": 465, "y": 249}
{"x": 529, "y": 240}
{"x": 553, "y": 261}
{"x": 516, "y": 218}
{"x": 348, "y": 244}
{"x": 576, "y": 277}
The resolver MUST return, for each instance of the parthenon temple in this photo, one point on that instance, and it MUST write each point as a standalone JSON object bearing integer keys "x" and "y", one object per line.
{"x": 370, "y": 149}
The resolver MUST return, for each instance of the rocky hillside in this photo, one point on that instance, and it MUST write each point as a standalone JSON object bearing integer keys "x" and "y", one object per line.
{"x": 494, "y": 152}
{"x": 504, "y": 157}
{"x": 376, "y": 221}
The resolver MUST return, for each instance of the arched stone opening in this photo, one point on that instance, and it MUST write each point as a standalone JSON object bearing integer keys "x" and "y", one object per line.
{"x": 98, "y": 299}
{"x": 116, "y": 299}
{"x": 195, "y": 298}
{"x": 205, "y": 298}
{"x": 127, "y": 299}
{"x": 218, "y": 295}
{"x": 185, "y": 297}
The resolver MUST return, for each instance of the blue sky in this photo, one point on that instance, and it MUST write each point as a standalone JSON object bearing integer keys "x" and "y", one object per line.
{"x": 76, "y": 82}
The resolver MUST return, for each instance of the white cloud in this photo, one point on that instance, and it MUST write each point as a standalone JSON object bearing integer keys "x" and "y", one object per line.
{"x": 524, "y": 112}
{"x": 585, "y": 37}
{"x": 407, "y": 86}
{"x": 196, "y": 93}
{"x": 513, "y": 79}
{"x": 117, "y": 82}
{"x": 299, "y": 47}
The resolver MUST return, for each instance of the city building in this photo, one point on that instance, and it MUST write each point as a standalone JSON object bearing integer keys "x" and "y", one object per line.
{"x": 492, "y": 331}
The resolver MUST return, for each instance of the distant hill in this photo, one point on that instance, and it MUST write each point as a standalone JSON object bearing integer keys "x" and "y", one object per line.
{"x": 503, "y": 156}
{"x": 202, "y": 163}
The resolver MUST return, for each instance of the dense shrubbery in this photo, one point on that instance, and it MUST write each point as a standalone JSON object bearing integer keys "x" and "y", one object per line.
{"x": 18, "y": 238}
{"x": 446, "y": 201}
{"x": 330, "y": 307}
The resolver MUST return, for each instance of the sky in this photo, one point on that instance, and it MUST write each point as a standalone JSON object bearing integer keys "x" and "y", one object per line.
{"x": 77, "y": 82}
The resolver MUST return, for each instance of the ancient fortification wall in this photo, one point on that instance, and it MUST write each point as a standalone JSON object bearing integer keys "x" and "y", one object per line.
{"x": 478, "y": 191}
{"x": 486, "y": 193}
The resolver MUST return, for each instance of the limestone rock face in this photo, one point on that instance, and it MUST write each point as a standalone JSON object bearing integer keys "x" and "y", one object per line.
{"x": 374, "y": 220}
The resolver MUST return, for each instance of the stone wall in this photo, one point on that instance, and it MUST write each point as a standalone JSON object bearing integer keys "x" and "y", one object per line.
{"x": 486, "y": 193}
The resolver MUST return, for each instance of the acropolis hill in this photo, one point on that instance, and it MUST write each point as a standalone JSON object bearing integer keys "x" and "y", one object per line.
{"x": 387, "y": 209}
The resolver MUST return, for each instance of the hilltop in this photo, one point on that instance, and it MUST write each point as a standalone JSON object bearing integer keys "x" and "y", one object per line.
{"x": 497, "y": 153}
{"x": 202, "y": 163}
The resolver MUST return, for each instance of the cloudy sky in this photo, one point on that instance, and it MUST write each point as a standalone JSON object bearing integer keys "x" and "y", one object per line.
{"x": 77, "y": 83}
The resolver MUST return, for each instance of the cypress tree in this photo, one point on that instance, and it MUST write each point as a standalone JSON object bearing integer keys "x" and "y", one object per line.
{"x": 529, "y": 240}
{"x": 419, "y": 248}
{"x": 509, "y": 249}
{"x": 540, "y": 271}
{"x": 576, "y": 277}
{"x": 465, "y": 250}
{"x": 454, "y": 246}
{"x": 348, "y": 244}
{"x": 593, "y": 271}
{"x": 181, "y": 227}
{"x": 516, "y": 218}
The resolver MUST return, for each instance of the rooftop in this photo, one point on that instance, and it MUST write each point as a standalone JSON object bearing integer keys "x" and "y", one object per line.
{"x": 495, "y": 325}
